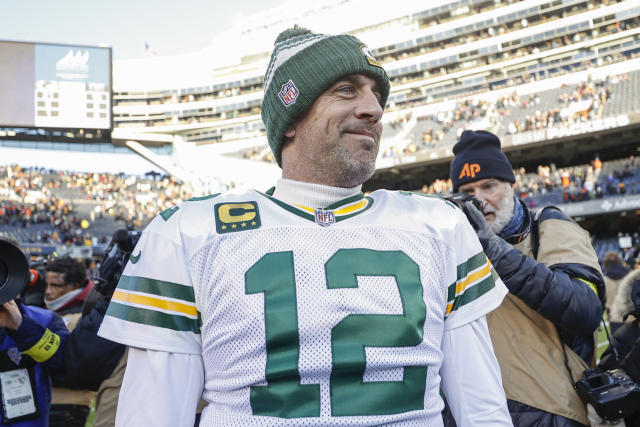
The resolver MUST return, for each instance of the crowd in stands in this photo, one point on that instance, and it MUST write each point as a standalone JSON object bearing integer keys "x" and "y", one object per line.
{"x": 60, "y": 207}
{"x": 54, "y": 207}
{"x": 505, "y": 54}
{"x": 596, "y": 93}
{"x": 508, "y": 114}
{"x": 579, "y": 183}
{"x": 82, "y": 209}
{"x": 552, "y": 185}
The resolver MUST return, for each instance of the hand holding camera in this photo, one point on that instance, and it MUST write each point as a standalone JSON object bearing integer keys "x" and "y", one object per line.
{"x": 10, "y": 316}
{"x": 494, "y": 246}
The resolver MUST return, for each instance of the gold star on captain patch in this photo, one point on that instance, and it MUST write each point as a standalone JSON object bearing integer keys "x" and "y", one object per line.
{"x": 253, "y": 223}
{"x": 233, "y": 226}
{"x": 244, "y": 224}
{"x": 224, "y": 227}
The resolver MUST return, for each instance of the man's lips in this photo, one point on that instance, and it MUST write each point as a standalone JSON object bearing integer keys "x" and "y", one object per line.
{"x": 363, "y": 132}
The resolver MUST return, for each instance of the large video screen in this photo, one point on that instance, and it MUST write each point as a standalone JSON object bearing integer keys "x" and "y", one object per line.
{"x": 54, "y": 86}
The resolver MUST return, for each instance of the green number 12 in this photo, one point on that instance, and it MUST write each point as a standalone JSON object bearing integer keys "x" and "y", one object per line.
{"x": 284, "y": 395}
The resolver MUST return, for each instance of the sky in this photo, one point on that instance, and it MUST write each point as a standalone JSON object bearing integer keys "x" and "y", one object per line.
{"x": 169, "y": 27}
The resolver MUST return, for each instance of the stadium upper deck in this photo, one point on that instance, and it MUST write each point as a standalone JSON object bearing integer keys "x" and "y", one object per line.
{"x": 209, "y": 102}
{"x": 449, "y": 49}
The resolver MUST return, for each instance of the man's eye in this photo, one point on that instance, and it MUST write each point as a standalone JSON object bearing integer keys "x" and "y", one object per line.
{"x": 346, "y": 89}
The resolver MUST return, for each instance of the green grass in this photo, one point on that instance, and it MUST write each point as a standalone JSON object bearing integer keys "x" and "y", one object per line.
{"x": 92, "y": 414}
{"x": 602, "y": 341}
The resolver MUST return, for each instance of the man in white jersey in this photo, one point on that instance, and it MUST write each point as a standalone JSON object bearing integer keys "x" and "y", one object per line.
{"x": 311, "y": 304}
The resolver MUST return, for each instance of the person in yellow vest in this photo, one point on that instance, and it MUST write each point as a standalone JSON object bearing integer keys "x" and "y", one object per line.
{"x": 543, "y": 332}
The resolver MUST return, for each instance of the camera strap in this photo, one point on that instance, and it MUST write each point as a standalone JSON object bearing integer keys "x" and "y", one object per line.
{"x": 613, "y": 348}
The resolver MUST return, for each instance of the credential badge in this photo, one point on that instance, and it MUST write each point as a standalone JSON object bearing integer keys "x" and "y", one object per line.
{"x": 324, "y": 218}
{"x": 289, "y": 93}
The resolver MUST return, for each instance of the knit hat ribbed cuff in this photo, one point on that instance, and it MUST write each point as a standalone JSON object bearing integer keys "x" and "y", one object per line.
{"x": 301, "y": 68}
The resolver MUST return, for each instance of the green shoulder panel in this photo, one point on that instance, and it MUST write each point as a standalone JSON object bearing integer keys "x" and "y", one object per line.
{"x": 197, "y": 199}
{"x": 167, "y": 213}
{"x": 430, "y": 196}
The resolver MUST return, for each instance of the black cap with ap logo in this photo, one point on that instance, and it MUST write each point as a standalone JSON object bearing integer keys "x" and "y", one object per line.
{"x": 478, "y": 156}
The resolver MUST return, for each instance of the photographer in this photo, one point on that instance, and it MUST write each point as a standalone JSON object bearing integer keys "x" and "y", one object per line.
{"x": 93, "y": 362}
{"x": 542, "y": 332}
{"x": 67, "y": 289}
{"x": 31, "y": 343}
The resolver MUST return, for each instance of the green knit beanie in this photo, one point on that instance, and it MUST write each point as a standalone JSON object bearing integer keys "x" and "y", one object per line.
{"x": 303, "y": 65}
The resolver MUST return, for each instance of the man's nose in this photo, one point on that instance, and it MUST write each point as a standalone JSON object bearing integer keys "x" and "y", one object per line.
{"x": 369, "y": 106}
{"x": 479, "y": 194}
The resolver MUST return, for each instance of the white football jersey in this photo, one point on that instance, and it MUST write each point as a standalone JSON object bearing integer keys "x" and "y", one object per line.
{"x": 303, "y": 316}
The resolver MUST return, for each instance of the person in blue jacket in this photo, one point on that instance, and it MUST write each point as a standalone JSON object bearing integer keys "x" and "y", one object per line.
{"x": 32, "y": 342}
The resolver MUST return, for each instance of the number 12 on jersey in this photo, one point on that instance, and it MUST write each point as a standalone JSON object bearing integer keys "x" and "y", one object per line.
{"x": 284, "y": 396}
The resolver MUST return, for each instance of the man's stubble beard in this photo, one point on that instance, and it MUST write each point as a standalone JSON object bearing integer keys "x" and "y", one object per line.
{"x": 354, "y": 170}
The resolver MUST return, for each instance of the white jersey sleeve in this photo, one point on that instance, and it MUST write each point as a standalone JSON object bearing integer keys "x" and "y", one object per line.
{"x": 174, "y": 380}
{"x": 475, "y": 289}
{"x": 154, "y": 305}
{"x": 473, "y": 385}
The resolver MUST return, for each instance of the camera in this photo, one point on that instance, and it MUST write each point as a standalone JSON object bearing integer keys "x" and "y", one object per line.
{"x": 115, "y": 258}
{"x": 459, "y": 200}
{"x": 14, "y": 271}
{"x": 33, "y": 293}
{"x": 613, "y": 393}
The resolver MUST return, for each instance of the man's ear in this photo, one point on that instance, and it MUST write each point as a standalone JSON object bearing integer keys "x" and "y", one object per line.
{"x": 290, "y": 133}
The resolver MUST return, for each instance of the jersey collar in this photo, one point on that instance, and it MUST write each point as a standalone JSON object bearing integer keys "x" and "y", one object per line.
{"x": 342, "y": 209}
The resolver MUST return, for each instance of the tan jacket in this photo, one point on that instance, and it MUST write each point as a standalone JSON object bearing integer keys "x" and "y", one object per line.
{"x": 527, "y": 345}
{"x": 108, "y": 393}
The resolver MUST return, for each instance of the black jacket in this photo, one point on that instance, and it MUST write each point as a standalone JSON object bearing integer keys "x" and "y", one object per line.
{"x": 89, "y": 359}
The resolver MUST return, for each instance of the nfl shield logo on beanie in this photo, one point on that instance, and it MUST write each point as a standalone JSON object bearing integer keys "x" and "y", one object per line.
{"x": 288, "y": 93}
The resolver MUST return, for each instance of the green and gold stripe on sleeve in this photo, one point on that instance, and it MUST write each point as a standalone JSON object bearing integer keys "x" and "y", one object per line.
{"x": 475, "y": 277}
{"x": 155, "y": 303}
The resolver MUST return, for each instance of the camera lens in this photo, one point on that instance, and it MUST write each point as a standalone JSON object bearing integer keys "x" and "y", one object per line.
{"x": 14, "y": 271}
{"x": 4, "y": 272}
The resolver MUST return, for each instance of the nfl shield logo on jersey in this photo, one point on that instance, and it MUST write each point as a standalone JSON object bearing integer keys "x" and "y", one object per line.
{"x": 289, "y": 93}
{"x": 325, "y": 218}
